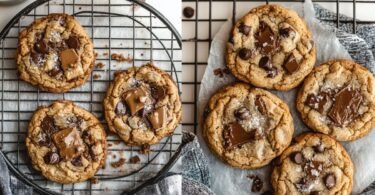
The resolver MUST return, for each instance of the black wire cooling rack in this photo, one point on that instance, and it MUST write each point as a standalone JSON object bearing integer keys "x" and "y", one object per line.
{"x": 131, "y": 28}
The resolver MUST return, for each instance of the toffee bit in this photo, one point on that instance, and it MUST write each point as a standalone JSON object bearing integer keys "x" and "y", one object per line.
{"x": 118, "y": 163}
{"x": 120, "y": 58}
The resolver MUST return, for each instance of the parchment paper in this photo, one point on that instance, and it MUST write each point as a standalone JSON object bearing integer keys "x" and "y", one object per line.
{"x": 228, "y": 180}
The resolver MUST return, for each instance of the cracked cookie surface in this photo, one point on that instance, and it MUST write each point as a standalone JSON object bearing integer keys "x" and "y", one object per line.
{"x": 55, "y": 53}
{"x": 315, "y": 164}
{"x": 142, "y": 105}
{"x": 66, "y": 143}
{"x": 338, "y": 99}
{"x": 247, "y": 127}
{"x": 271, "y": 47}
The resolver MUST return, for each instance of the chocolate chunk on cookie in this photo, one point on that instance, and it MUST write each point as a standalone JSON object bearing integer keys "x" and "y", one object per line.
{"x": 142, "y": 105}
{"x": 247, "y": 127}
{"x": 271, "y": 47}
{"x": 328, "y": 171}
{"x": 338, "y": 98}
{"x": 66, "y": 143}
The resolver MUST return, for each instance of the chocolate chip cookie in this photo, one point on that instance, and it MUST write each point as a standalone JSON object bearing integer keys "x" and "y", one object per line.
{"x": 55, "y": 53}
{"x": 247, "y": 127}
{"x": 66, "y": 143}
{"x": 142, "y": 105}
{"x": 338, "y": 99}
{"x": 316, "y": 164}
{"x": 271, "y": 47}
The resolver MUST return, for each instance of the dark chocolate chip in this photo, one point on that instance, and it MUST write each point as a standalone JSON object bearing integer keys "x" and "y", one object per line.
{"x": 51, "y": 158}
{"x": 41, "y": 47}
{"x": 313, "y": 168}
{"x": 291, "y": 65}
{"x": 235, "y": 135}
{"x": 244, "y": 29}
{"x": 266, "y": 39}
{"x": 330, "y": 181}
{"x": 48, "y": 125}
{"x": 261, "y": 106}
{"x": 73, "y": 42}
{"x": 242, "y": 113}
{"x": 244, "y": 53}
{"x": 272, "y": 72}
{"x": 297, "y": 157}
{"x": 315, "y": 193}
{"x": 120, "y": 108}
{"x": 188, "y": 12}
{"x": 265, "y": 63}
{"x": 317, "y": 101}
{"x": 257, "y": 184}
{"x": 157, "y": 92}
{"x": 77, "y": 161}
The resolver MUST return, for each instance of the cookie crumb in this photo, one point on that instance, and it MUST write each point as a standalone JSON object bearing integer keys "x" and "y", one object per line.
{"x": 134, "y": 160}
{"x": 118, "y": 163}
{"x": 120, "y": 58}
{"x": 94, "y": 180}
{"x": 96, "y": 54}
{"x": 221, "y": 71}
{"x": 109, "y": 144}
{"x": 114, "y": 156}
{"x": 145, "y": 149}
{"x": 97, "y": 76}
{"x": 117, "y": 142}
{"x": 100, "y": 65}
{"x": 105, "y": 54}
{"x": 257, "y": 184}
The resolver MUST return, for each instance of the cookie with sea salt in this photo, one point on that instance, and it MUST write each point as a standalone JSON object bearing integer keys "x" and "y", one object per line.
{"x": 55, "y": 53}
{"x": 142, "y": 105}
{"x": 338, "y": 99}
{"x": 247, "y": 127}
{"x": 271, "y": 47}
{"x": 315, "y": 165}
{"x": 66, "y": 143}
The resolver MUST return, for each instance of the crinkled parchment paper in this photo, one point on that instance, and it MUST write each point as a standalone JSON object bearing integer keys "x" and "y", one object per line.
{"x": 228, "y": 180}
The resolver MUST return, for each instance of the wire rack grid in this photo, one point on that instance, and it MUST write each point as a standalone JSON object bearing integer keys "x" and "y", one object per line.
{"x": 130, "y": 28}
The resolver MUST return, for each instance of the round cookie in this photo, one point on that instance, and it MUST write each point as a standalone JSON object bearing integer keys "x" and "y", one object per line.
{"x": 271, "y": 47}
{"x": 142, "y": 105}
{"x": 338, "y": 99}
{"x": 315, "y": 164}
{"x": 66, "y": 143}
{"x": 55, "y": 53}
{"x": 247, "y": 127}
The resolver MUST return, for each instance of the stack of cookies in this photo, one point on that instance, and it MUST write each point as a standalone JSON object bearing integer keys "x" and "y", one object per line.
{"x": 247, "y": 127}
{"x": 66, "y": 143}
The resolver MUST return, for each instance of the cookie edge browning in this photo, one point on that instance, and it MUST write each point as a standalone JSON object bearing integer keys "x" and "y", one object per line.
{"x": 25, "y": 76}
{"x": 300, "y": 104}
{"x": 231, "y": 63}
{"x": 28, "y": 142}
{"x": 206, "y": 123}
{"x": 133, "y": 70}
{"x": 305, "y": 136}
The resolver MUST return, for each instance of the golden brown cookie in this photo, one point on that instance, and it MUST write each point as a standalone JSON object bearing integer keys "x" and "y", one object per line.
{"x": 66, "y": 143}
{"x": 55, "y": 53}
{"x": 315, "y": 165}
{"x": 247, "y": 127}
{"x": 338, "y": 99}
{"x": 271, "y": 47}
{"x": 142, "y": 105}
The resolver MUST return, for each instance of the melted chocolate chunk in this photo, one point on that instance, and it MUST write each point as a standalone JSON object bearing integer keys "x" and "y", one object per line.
{"x": 266, "y": 39}
{"x": 265, "y": 63}
{"x": 36, "y": 57}
{"x": 188, "y": 12}
{"x": 120, "y": 108}
{"x": 73, "y": 42}
{"x": 157, "y": 92}
{"x": 51, "y": 158}
{"x": 297, "y": 158}
{"x": 77, "y": 161}
{"x": 244, "y": 29}
{"x": 315, "y": 193}
{"x": 319, "y": 148}
{"x": 242, "y": 113}
{"x": 44, "y": 140}
{"x": 291, "y": 65}
{"x": 55, "y": 71}
{"x": 272, "y": 72}
{"x": 345, "y": 106}
{"x": 48, "y": 125}
{"x": 244, "y": 53}
{"x": 313, "y": 168}
{"x": 235, "y": 135}
{"x": 330, "y": 181}
{"x": 41, "y": 47}
{"x": 303, "y": 185}
{"x": 318, "y": 101}
{"x": 261, "y": 106}
{"x": 284, "y": 32}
